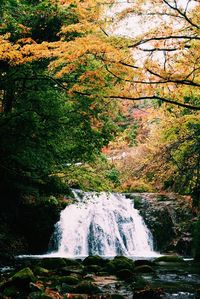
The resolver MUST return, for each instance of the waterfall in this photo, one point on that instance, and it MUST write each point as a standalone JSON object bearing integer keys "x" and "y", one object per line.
{"x": 104, "y": 224}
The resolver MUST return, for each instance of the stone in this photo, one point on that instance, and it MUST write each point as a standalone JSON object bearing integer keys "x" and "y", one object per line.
{"x": 144, "y": 269}
{"x": 69, "y": 280}
{"x": 144, "y": 262}
{"x": 92, "y": 269}
{"x": 119, "y": 263}
{"x": 72, "y": 263}
{"x": 94, "y": 260}
{"x": 23, "y": 278}
{"x": 125, "y": 274}
{"x": 52, "y": 263}
{"x": 40, "y": 271}
{"x": 170, "y": 259}
{"x": 86, "y": 287}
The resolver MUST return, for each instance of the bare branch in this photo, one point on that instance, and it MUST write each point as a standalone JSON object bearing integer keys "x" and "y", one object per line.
{"x": 182, "y": 13}
{"x": 177, "y": 37}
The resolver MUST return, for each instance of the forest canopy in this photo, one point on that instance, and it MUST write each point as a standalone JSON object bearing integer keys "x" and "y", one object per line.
{"x": 64, "y": 76}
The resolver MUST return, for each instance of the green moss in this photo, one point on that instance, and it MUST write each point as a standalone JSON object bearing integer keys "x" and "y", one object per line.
{"x": 40, "y": 271}
{"x": 52, "y": 263}
{"x": 94, "y": 260}
{"x": 170, "y": 259}
{"x": 119, "y": 263}
{"x": 87, "y": 288}
{"x": 144, "y": 269}
{"x": 70, "y": 280}
{"x": 24, "y": 275}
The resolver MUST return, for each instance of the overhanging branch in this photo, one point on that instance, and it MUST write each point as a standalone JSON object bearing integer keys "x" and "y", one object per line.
{"x": 145, "y": 98}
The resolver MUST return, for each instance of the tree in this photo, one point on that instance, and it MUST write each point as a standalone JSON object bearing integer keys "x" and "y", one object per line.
{"x": 44, "y": 126}
{"x": 170, "y": 42}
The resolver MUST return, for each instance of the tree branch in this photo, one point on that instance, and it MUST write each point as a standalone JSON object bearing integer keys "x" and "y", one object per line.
{"x": 145, "y": 98}
{"x": 183, "y": 14}
{"x": 146, "y": 40}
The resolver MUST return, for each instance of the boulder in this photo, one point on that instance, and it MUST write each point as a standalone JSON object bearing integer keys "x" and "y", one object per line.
{"x": 69, "y": 280}
{"x": 144, "y": 262}
{"x": 94, "y": 260}
{"x": 86, "y": 287}
{"x": 170, "y": 259}
{"x": 52, "y": 263}
{"x": 120, "y": 263}
{"x": 23, "y": 278}
{"x": 40, "y": 271}
{"x": 125, "y": 274}
{"x": 144, "y": 269}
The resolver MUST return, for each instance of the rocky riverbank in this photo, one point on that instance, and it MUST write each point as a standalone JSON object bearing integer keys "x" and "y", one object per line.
{"x": 95, "y": 277}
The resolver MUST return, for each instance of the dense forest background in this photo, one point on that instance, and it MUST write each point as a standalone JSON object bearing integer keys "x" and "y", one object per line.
{"x": 85, "y": 108}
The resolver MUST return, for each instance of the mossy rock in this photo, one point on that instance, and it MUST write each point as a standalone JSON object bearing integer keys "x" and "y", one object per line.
{"x": 144, "y": 269}
{"x": 86, "y": 287}
{"x": 170, "y": 259}
{"x": 66, "y": 271}
{"x": 144, "y": 262}
{"x": 72, "y": 263}
{"x": 125, "y": 274}
{"x": 94, "y": 260}
{"x": 69, "y": 280}
{"x": 140, "y": 282}
{"x": 52, "y": 263}
{"x": 119, "y": 263}
{"x": 23, "y": 278}
{"x": 40, "y": 271}
{"x": 92, "y": 269}
{"x": 10, "y": 292}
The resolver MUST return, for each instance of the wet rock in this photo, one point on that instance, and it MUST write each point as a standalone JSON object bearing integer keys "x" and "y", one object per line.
{"x": 72, "y": 263}
{"x": 184, "y": 245}
{"x": 144, "y": 262}
{"x": 71, "y": 270}
{"x": 170, "y": 214}
{"x": 40, "y": 271}
{"x": 70, "y": 280}
{"x": 67, "y": 288}
{"x": 92, "y": 269}
{"x": 170, "y": 259}
{"x": 140, "y": 283}
{"x": 23, "y": 278}
{"x": 149, "y": 293}
{"x": 144, "y": 269}
{"x": 125, "y": 274}
{"x": 119, "y": 263}
{"x": 10, "y": 292}
{"x": 94, "y": 260}
{"x": 86, "y": 288}
{"x": 52, "y": 263}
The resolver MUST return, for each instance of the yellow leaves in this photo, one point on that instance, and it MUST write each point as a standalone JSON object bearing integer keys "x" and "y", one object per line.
{"x": 24, "y": 29}
{"x": 84, "y": 28}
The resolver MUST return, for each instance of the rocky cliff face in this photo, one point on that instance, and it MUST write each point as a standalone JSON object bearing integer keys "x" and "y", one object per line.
{"x": 170, "y": 219}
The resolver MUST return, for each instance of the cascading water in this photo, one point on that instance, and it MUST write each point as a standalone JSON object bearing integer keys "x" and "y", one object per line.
{"x": 104, "y": 224}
